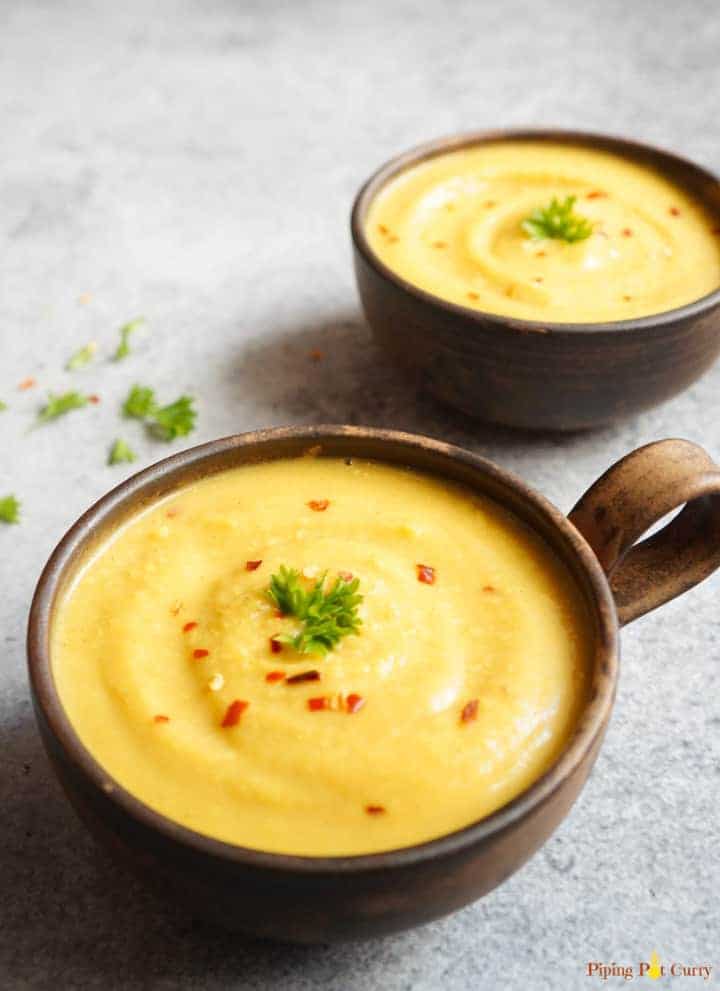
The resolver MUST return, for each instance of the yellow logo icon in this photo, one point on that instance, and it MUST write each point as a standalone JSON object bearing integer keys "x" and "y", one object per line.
{"x": 654, "y": 970}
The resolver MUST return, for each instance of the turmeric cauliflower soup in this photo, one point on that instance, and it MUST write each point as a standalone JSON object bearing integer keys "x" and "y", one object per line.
{"x": 547, "y": 232}
{"x": 323, "y": 656}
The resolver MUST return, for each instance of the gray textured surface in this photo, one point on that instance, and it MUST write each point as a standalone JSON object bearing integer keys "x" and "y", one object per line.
{"x": 195, "y": 162}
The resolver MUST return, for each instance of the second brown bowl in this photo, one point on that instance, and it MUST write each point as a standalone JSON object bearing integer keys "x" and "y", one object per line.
{"x": 555, "y": 376}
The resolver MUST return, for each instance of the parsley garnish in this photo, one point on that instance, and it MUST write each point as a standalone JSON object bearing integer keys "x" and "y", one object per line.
{"x": 120, "y": 452}
{"x": 175, "y": 420}
{"x": 140, "y": 402}
{"x": 558, "y": 221}
{"x": 9, "y": 509}
{"x": 82, "y": 357}
{"x": 167, "y": 422}
{"x": 60, "y": 405}
{"x": 3, "y": 406}
{"x": 123, "y": 348}
{"x": 327, "y": 615}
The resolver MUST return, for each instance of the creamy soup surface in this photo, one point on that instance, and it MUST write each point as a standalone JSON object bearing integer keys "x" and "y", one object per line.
{"x": 453, "y": 226}
{"x": 462, "y": 686}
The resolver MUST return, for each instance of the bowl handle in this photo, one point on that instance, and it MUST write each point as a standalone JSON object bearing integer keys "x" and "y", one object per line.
{"x": 633, "y": 495}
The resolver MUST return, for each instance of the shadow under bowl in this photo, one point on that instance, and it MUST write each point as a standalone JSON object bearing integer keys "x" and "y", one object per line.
{"x": 523, "y": 373}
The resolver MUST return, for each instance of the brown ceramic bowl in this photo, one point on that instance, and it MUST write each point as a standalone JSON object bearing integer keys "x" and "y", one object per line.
{"x": 558, "y": 376}
{"x": 313, "y": 899}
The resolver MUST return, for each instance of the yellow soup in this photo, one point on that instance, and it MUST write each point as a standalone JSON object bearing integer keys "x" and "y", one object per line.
{"x": 461, "y": 687}
{"x": 453, "y": 226}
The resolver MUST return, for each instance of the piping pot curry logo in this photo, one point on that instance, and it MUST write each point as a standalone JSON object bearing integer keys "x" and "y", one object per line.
{"x": 651, "y": 969}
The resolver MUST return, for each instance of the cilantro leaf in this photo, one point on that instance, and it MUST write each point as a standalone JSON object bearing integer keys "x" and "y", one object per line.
{"x": 175, "y": 420}
{"x": 558, "y": 221}
{"x": 9, "y": 509}
{"x": 123, "y": 348}
{"x": 121, "y": 452}
{"x": 328, "y": 615}
{"x": 59, "y": 405}
{"x": 82, "y": 357}
{"x": 166, "y": 422}
{"x": 140, "y": 403}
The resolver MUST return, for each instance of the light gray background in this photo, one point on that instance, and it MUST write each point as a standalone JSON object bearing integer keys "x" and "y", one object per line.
{"x": 195, "y": 163}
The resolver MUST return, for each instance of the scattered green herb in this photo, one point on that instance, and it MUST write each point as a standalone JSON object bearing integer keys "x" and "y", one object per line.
{"x": 121, "y": 452}
{"x": 3, "y": 406}
{"x": 9, "y": 509}
{"x": 140, "y": 403}
{"x": 60, "y": 405}
{"x": 558, "y": 221}
{"x": 174, "y": 420}
{"x": 123, "y": 348}
{"x": 82, "y": 357}
{"x": 166, "y": 422}
{"x": 327, "y": 615}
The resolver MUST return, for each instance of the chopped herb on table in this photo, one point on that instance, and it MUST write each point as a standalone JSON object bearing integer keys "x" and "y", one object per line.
{"x": 558, "y": 221}
{"x": 175, "y": 420}
{"x": 3, "y": 406}
{"x": 82, "y": 357}
{"x": 140, "y": 403}
{"x": 167, "y": 422}
{"x": 9, "y": 509}
{"x": 120, "y": 452}
{"x": 127, "y": 329}
{"x": 59, "y": 405}
{"x": 327, "y": 615}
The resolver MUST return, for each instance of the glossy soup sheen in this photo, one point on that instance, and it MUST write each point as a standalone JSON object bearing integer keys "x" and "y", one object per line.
{"x": 471, "y": 683}
{"x": 452, "y": 226}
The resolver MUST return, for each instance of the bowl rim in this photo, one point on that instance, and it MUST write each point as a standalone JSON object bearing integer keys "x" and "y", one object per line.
{"x": 463, "y": 139}
{"x": 183, "y": 466}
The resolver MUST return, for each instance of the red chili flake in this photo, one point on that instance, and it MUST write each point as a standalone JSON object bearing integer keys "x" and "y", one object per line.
{"x": 425, "y": 574}
{"x": 161, "y": 719}
{"x": 273, "y": 676}
{"x": 489, "y": 588}
{"x": 189, "y": 626}
{"x": 596, "y": 194}
{"x": 541, "y": 254}
{"x": 27, "y": 383}
{"x": 347, "y": 576}
{"x": 383, "y": 229}
{"x": 674, "y": 211}
{"x": 94, "y": 399}
{"x": 252, "y": 565}
{"x": 473, "y": 295}
{"x": 318, "y": 703}
{"x": 316, "y": 355}
{"x": 234, "y": 711}
{"x": 470, "y": 711}
{"x": 275, "y": 645}
{"x": 199, "y": 653}
{"x": 319, "y": 505}
{"x": 374, "y": 810}
{"x": 627, "y": 298}
{"x": 173, "y": 511}
{"x": 280, "y": 614}
{"x": 626, "y": 232}
{"x": 303, "y": 676}
{"x": 354, "y": 702}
